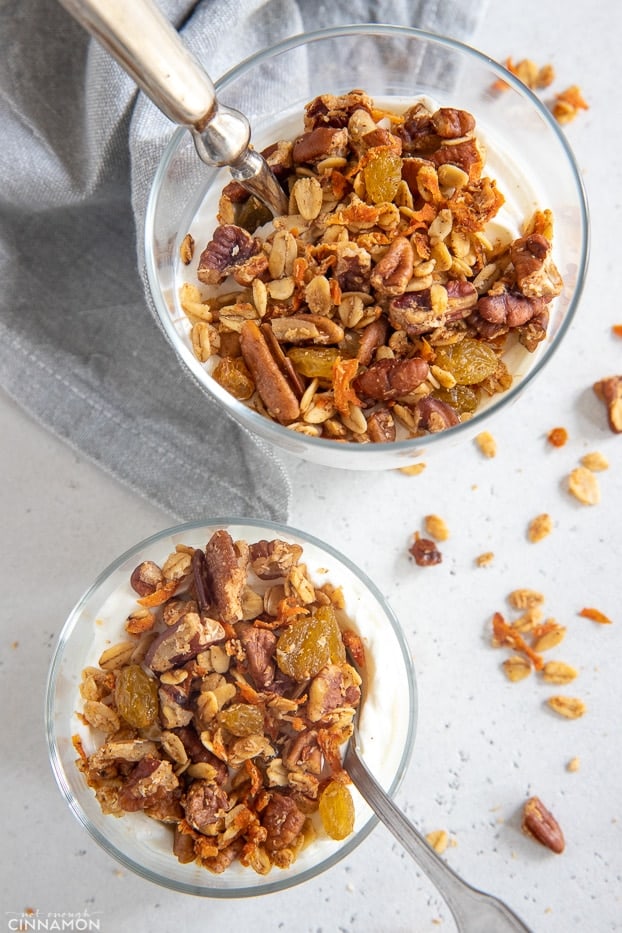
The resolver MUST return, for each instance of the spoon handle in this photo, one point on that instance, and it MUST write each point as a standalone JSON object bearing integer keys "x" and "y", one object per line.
{"x": 138, "y": 35}
{"x": 151, "y": 51}
{"x": 473, "y": 910}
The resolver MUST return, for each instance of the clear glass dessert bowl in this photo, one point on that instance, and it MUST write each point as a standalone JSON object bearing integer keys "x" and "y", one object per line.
{"x": 526, "y": 153}
{"x": 144, "y": 844}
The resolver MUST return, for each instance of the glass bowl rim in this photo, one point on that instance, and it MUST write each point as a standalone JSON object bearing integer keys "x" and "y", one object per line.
{"x": 259, "y": 423}
{"x": 276, "y": 883}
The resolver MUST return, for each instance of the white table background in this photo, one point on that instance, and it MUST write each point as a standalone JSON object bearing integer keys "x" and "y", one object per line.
{"x": 483, "y": 745}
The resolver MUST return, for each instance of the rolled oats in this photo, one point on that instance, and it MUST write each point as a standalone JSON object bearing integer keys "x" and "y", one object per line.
{"x": 568, "y": 707}
{"x": 438, "y": 839}
{"x": 517, "y": 668}
{"x": 485, "y": 559}
{"x": 229, "y": 728}
{"x": 595, "y": 461}
{"x": 486, "y": 443}
{"x": 436, "y": 527}
{"x": 558, "y": 672}
{"x": 386, "y": 230}
{"x": 540, "y": 527}
{"x": 583, "y": 485}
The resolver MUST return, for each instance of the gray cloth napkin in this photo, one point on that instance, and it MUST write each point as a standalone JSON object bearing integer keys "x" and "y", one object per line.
{"x": 80, "y": 348}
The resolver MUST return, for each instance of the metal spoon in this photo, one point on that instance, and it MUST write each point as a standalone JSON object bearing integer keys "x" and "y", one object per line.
{"x": 150, "y": 50}
{"x": 473, "y": 910}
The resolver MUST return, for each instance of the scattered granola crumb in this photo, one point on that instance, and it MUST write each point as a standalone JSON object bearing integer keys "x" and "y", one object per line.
{"x": 540, "y": 527}
{"x": 436, "y": 527}
{"x": 609, "y": 391}
{"x": 425, "y": 552}
{"x": 534, "y": 76}
{"x": 413, "y": 470}
{"x": 438, "y": 839}
{"x": 485, "y": 559}
{"x": 541, "y": 825}
{"x": 558, "y": 672}
{"x": 486, "y": 443}
{"x": 574, "y": 764}
{"x": 595, "y": 461}
{"x": 525, "y": 598}
{"x": 557, "y": 437}
{"x": 548, "y": 635}
{"x": 568, "y": 103}
{"x": 595, "y": 615}
{"x": 186, "y": 250}
{"x": 583, "y": 485}
{"x": 516, "y": 668}
{"x": 568, "y": 707}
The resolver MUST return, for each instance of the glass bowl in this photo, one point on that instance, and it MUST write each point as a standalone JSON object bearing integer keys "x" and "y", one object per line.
{"x": 387, "y": 720}
{"x": 522, "y": 139}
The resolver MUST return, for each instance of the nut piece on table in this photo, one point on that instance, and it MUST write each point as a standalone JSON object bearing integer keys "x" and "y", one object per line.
{"x": 609, "y": 391}
{"x": 541, "y": 825}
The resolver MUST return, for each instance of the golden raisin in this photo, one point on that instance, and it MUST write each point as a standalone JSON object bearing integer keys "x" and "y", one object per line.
{"x": 309, "y": 644}
{"x": 337, "y": 810}
{"x": 470, "y": 361}
{"x": 314, "y": 362}
{"x": 242, "y": 719}
{"x": 234, "y": 376}
{"x": 383, "y": 174}
{"x": 136, "y": 696}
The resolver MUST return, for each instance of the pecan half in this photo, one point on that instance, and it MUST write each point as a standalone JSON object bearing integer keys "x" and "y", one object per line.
{"x": 272, "y": 386}
{"x": 435, "y": 415}
{"x": 536, "y": 273}
{"x": 179, "y": 643}
{"x": 320, "y": 143}
{"x": 226, "y": 576}
{"x": 540, "y": 824}
{"x": 330, "y": 110}
{"x": 390, "y": 379}
{"x": 372, "y": 337}
{"x": 393, "y": 272}
{"x": 353, "y": 267}
{"x": 273, "y": 559}
{"x": 451, "y": 123}
{"x": 381, "y": 426}
{"x": 509, "y": 307}
{"x": 307, "y": 328}
{"x": 609, "y": 391}
{"x": 283, "y": 822}
{"x": 231, "y": 251}
{"x": 336, "y": 685}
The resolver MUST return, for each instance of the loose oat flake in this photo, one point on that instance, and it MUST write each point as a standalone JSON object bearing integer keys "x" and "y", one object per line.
{"x": 381, "y": 305}
{"x": 224, "y": 719}
{"x": 540, "y": 527}
{"x": 583, "y": 485}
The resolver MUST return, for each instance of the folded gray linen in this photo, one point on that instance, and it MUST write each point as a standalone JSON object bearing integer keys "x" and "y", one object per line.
{"x": 80, "y": 348}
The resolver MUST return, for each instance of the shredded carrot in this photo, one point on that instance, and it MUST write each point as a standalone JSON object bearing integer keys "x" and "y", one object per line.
{"x": 344, "y": 372}
{"x": 504, "y": 634}
{"x": 159, "y": 596}
{"x": 595, "y": 615}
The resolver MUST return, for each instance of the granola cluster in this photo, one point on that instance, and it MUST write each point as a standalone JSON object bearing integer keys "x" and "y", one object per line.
{"x": 224, "y": 712}
{"x": 378, "y": 307}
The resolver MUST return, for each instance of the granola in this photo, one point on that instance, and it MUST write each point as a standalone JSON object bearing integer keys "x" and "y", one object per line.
{"x": 224, "y": 718}
{"x": 380, "y": 307}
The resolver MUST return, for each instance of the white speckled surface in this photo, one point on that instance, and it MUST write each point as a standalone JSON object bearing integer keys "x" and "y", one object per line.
{"x": 483, "y": 745}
